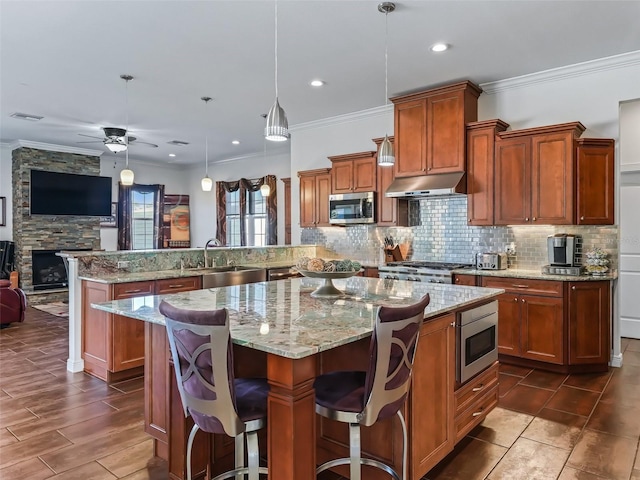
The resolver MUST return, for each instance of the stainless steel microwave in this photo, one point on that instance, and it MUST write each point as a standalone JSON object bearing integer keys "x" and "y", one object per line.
{"x": 350, "y": 208}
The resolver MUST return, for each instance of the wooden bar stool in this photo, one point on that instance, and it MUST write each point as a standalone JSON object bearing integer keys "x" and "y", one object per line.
{"x": 362, "y": 398}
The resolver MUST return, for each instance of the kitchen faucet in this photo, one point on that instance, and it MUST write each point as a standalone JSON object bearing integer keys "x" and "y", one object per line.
{"x": 212, "y": 241}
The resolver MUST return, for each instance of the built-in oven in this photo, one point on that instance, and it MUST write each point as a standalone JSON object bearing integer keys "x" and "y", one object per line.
{"x": 348, "y": 208}
{"x": 476, "y": 340}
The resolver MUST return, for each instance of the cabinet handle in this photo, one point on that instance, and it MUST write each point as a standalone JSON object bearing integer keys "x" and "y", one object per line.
{"x": 176, "y": 286}
{"x": 526, "y": 219}
{"x": 453, "y": 324}
{"x": 534, "y": 219}
{"x": 573, "y": 288}
{"x": 519, "y": 285}
{"x": 582, "y": 217}
{"x": 429, "y": 168}
{"x": 477, "y": 389}
{"x": 469, "y": 220}
{"x": 133, "y": 291}
{"x": 523, "y": 300}
{"x": 479, "y": 412}
{"x": 515, "y": 299}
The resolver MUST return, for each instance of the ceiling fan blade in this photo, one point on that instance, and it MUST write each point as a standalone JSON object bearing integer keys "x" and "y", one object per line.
{"x": 92, "y": 142}
{"x": 90, "y": 136}
{"x": 138, "y": 142}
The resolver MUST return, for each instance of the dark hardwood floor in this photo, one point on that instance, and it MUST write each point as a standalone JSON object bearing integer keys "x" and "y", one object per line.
{"x": 59, "y": 425}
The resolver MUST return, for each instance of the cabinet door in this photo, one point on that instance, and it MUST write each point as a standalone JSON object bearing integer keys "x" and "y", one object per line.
{"x": 432, "y": 405}
{"x": 552, "y": 179}
{"x": 445, "y": 133}
{"x": 391, "y": 211}
{"x": 410, "y": 138}
{"x": 323, "y": 189}
{"x": 96, "y": 329}
{"x": 307, "y": 200}
{"x": 542, "y": 328}
{"x": 595, "y": 182}
{"x": 480, "y": 176}
{"x": 589, "y": 317}
{"x": 509, "y": 324}
{"x": 365, "y": 174}
{"x": 513, "y": 181}
{"x": 287, "y": 210}
{"x": 128, "y": 333}
{"x": 342, "y": 176}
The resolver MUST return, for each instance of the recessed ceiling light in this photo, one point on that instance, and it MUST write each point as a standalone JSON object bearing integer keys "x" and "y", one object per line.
{"x": 236, "y": 142}
{"x": 172, "y": 154}
{"x": 316, "y": 83}
{"x": 439, "y": 47}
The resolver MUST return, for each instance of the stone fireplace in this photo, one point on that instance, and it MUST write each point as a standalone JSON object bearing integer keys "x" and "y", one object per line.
{"x": 48, "y": 233}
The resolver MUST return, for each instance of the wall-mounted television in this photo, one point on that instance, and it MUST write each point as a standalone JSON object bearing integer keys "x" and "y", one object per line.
{"x": 55, "y": 193}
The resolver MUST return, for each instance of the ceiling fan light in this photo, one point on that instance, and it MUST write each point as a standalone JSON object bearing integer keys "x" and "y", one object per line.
{"x": 386, "y": 155}
{"x": 265, "y": 190}
{"x": 115, "y": 146}
{"x": 277, "y": 129}
{"x": 207, "y": 184}
{"x": 126, "y": 176}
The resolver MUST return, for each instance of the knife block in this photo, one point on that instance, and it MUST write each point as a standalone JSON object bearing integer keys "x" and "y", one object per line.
{"x": 395, "y": 254}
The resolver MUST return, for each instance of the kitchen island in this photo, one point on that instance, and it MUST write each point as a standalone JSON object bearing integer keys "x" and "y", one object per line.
{"x": 282, "y": 332}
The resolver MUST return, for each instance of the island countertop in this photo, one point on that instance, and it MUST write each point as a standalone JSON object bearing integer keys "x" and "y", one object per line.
{"x": 282, "y": 318}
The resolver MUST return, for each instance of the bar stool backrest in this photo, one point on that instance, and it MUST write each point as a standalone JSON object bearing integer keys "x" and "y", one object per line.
{"x": 203, "y": 359}
{"x": 392, "y": 351}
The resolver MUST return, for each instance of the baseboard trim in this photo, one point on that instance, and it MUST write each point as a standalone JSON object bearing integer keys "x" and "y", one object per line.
{"x": 616, "y": 360}
{"x": 75, "y": 366}
{"x": 630, "y": 328}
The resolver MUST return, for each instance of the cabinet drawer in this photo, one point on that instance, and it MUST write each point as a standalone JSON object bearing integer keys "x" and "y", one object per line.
{"x": 476, "y": 388}
{"x": 477, "y": 412}
{"x": 174, "y": 285}
{"x": 132, "y": 289}
{"x": 525, "y": 285}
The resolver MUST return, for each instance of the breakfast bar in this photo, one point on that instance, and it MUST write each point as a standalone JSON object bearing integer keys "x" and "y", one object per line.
{"x": 280, "y": 325}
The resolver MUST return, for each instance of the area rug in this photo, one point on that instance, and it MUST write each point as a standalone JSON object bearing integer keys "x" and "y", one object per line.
{"x": 59, "y": 309}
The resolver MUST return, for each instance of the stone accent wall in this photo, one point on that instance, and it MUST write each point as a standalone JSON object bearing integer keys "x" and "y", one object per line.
{"x": 48, "y": 232}
{"x": 440, "y": 233}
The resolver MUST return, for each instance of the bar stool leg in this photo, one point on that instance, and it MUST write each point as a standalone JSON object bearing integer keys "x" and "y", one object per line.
{"x": 192, "y": 435}
{"x": 239, "y": 454}
{"x": 404, "y": 445}
{"x": 354, "y": 451}
{"x": 253, "y": 455}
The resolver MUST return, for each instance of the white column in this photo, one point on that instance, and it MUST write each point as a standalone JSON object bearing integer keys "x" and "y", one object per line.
{"x": 75, "y": 363}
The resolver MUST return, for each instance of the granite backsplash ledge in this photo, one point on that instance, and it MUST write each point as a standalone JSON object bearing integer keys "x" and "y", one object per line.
{"x": 439, "y": 233}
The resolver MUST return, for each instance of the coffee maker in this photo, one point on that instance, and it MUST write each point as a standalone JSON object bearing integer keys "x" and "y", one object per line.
{"x": 562, "y": 248}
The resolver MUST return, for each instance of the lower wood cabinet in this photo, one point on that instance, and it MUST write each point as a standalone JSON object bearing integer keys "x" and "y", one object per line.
{"x": 561, "y": 326}
{"x": 113, "y": 346}
{"x": 474, "y": 399}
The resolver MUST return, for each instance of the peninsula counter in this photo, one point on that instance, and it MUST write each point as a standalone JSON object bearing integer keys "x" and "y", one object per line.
{"x": 278, "y": 325}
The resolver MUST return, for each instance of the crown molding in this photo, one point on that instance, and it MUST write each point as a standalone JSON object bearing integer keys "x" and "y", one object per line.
{"x": 54, "y": 148}
{"x": 622, "y": 60}
{"x": 346, "y": 118}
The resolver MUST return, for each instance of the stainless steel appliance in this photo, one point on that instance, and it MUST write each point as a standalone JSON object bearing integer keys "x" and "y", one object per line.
{"x": 350, "y": 208}
{"x": 417, "y": 271}
{"x": 562, "y": 249}
{"x": 476, "y": 340}
{"x": 281, "y": 273}
{"x": 491, "y": 261}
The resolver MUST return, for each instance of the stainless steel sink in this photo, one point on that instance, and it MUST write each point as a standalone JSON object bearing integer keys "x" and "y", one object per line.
{"x": 232, "y": 275}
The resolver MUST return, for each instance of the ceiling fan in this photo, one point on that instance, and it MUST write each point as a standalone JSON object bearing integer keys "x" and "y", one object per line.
{"x": 115, "y": 140}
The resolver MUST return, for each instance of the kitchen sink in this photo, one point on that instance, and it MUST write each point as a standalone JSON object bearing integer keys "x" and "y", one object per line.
{"x": 232, "y": 275}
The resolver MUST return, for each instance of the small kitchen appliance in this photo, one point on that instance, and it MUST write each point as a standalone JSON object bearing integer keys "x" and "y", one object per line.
{"x": 562, "y": 249}
{"x": 351, "y": 208}
{"x": 491, "y": 261}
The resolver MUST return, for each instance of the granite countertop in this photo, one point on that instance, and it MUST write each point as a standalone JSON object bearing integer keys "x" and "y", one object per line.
{"x": 282, "y": 318}
{"x": 537, "y": 274}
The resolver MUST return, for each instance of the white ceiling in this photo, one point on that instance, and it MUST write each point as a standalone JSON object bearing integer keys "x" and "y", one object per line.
{"x": 63, "y": 59}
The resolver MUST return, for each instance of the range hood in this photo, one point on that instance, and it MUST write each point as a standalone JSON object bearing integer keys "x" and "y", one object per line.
{"x": 440, "y": 184}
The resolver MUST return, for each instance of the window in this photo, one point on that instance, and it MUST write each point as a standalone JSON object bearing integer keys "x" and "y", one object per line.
{"x": 142, "y": 215}
{"x": 234, "y": 238}
{"x": 256, "y": 219}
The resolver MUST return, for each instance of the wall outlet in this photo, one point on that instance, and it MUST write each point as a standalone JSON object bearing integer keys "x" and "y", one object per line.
{"x": 123, "y": 264}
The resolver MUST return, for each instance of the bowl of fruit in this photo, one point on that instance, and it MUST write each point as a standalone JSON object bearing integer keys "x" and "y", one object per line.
{"x": 328, "y": 270}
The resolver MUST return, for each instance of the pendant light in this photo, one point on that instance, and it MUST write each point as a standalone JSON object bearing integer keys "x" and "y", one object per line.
{"x": 265, "y": 189}
{"x": 277, "y": 129}
{"x": 386, "y": 155}
{"x": 126, "y": 175}
{"x": 206, "y": 182}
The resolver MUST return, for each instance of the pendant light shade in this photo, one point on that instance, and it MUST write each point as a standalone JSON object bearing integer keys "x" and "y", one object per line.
{"x": 277, "y": 128}
{"x": 116, "y": 145}
{"x": 126, "y": 175}
{"x": 206, "y": 182}
{"x": 386, "y": 154}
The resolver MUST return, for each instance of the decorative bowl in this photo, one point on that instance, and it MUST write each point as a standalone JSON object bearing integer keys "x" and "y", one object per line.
{"x": 327, "y": 289}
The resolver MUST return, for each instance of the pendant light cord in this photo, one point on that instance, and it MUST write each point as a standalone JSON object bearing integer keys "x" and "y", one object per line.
{"x": 206, "y": 139}
{"x": 386, "y": 58}
{"x": 276, "y": 46}
{"x": 126, "y": 110}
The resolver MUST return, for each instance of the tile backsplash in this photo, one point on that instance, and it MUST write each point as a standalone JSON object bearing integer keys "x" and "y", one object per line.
{"x": 439, "y": 232}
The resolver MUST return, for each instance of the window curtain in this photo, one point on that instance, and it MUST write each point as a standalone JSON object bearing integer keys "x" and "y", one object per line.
{"x": 125, "y": 213}
{"x": 251, "y": 185}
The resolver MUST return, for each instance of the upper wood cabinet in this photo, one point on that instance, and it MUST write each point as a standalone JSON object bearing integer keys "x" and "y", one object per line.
{"x": 430, "y": 129}
{"x": 354, "y": 172}
{"x": 315, "y": 186}
{"x": 287, "y": 210}
{"x": 595, "y": 170}
{"x": 548, "y": 176}
{"x": 391, "y": 212}
{"x": 481, "y": 139}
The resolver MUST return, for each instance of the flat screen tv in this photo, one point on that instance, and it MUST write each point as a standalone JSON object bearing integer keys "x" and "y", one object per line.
{"x": 54, "y": 193}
